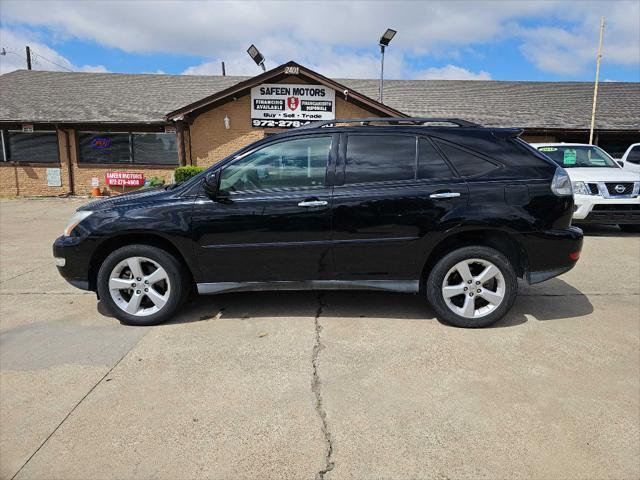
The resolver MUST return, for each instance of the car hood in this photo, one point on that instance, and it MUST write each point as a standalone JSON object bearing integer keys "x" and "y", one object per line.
{"x": 601, "y": 174}
{"x": 139, "y": 196}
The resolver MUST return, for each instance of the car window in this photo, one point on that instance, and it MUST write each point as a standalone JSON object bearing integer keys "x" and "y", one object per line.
{"x": 289, "y": 164}
{"x": 570, "y": 156}
{"x": 376, "y": 158}
{"x": 467, "y": 164}
{"x": 430, "y": 162}
{"x": 634, "y": 155}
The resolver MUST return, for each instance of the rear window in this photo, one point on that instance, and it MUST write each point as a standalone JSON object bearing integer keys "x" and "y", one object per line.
{"x": 467, "y": 164}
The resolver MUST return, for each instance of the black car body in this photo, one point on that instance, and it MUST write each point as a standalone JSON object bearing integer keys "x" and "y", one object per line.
{"x": 379, "y": 212}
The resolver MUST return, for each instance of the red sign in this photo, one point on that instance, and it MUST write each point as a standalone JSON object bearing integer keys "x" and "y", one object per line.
{"x": 125, "y": 179}
{"x": 293, "y": 102}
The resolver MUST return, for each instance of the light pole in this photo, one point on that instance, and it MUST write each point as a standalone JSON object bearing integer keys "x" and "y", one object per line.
{"x": 256, "y": 56}
{"x": 384, "y": 43}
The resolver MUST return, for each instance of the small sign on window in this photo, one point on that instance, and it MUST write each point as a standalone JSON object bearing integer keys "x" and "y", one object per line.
{"x": 27, "y": 127}
{"x": 569, "y": 157}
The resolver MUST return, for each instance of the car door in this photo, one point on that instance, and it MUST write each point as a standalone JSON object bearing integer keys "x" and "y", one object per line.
{"x": 393, "y": 191}
{"x": 272, "y": 220}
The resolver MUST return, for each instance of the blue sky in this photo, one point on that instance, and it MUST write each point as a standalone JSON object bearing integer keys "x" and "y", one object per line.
{"x": 552, "y": 40}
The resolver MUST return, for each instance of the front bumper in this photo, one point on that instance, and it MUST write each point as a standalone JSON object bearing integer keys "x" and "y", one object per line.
{"x": 72, "y": 256}
{"x": 596, "y": 209}
{"x": 552, "y": 252}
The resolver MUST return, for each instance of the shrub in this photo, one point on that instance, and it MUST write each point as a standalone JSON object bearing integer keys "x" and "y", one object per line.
{"x": 183, "y": 174}
{"x": 154, "y": 182}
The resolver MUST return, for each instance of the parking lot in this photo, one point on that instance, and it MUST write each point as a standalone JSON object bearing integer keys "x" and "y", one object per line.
{"x": 341, "y": 385}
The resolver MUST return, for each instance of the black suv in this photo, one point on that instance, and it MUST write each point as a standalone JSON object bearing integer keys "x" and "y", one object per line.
{"x": 454, "y": 212}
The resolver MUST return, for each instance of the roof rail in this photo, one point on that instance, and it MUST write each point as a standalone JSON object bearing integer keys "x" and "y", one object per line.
{"x": 392, "y": 120}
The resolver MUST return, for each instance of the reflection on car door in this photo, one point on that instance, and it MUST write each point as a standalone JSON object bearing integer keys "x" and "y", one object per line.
{"x": 392, "y": 192}
{"x": 274, "y": 224}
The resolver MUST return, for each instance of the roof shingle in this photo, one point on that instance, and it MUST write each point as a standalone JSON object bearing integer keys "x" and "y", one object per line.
{"x": 37, "y": 96}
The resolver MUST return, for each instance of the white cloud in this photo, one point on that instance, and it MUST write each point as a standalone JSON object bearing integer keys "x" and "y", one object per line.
{"x": 452, "y": 72}
{"x": 340, "y": 39}
{"x": 572, "y": 50}
{"x": 42, "y": 56}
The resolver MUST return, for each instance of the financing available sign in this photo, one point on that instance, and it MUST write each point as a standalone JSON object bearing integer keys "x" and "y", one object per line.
{"x": 280, "y": 105}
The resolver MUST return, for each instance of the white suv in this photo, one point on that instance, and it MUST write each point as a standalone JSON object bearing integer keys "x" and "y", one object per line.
{"x": 603, "y": 192}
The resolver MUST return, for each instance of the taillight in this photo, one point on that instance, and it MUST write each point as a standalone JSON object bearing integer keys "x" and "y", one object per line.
{"x": 574, "y": 255}
{"x": 561, "y": 183}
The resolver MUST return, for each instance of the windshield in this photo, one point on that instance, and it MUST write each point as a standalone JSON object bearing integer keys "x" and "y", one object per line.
{"x": 569, "y": 156}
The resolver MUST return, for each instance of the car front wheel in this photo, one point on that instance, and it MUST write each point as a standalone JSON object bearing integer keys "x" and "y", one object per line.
{"x": 142, "y": 284}
{"x": 472, "y": 287}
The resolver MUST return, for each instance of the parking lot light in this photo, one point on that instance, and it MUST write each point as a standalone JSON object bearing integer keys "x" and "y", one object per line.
{"x": 257, "y": 57}
{"x": 384, "y": 43}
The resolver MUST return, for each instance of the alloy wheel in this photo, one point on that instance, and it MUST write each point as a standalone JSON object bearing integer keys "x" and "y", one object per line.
{"x": 139, "y": 286}
{"x": 473, "y": 288}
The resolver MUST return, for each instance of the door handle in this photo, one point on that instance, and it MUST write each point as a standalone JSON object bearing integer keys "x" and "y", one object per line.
{"x": 313, "y": 203}
{"x": 445, "y": 195}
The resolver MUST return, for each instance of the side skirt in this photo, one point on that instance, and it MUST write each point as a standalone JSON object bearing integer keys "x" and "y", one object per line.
{"x": 404, "y": 286}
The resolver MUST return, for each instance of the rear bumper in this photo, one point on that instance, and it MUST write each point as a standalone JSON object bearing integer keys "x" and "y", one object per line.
{"x": 552, "y": 253}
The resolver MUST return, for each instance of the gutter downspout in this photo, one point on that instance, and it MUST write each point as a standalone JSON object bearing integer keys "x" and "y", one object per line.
{"x": 69, "y": 167}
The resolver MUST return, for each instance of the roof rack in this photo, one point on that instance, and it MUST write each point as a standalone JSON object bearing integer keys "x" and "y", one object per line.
{"x": 392, "y": 120}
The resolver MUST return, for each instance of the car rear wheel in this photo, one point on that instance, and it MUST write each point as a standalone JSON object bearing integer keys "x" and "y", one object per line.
{"x": 142, "y": 285}
{"x": 630, "y": 227}
{"x": 472, "y": 287}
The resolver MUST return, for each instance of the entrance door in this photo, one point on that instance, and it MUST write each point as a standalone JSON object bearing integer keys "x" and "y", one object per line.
{"x": 273, "y": 222}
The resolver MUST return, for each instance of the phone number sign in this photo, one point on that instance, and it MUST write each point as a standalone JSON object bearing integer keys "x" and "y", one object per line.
{"x": 125, "y": 179}
{"x": 287, "y": 106}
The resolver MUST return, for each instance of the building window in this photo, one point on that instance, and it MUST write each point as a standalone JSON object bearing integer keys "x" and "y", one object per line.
{"x": 35, "y": 147}
{"x": 128, "y": 147}
{"x": 160, "y": 148}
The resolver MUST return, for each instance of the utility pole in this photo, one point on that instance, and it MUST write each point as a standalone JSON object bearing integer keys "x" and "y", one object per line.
{"x": 595, "y": 89}
{"x": 28, "y": 57}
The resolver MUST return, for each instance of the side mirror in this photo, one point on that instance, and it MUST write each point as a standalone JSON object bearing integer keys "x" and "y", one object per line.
{"x": 620, "y": 162}
{"x": 211, "y": 184}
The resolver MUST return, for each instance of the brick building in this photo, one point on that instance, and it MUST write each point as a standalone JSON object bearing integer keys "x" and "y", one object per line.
{"x": 63, "y": 132}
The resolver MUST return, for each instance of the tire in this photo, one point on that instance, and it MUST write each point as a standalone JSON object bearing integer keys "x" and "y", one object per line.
{"x": 503, "y": 284}
{"x": 166, "y": 291}
{"x": 630, "y": 227}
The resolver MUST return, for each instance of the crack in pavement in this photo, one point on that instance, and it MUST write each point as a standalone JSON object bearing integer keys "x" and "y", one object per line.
{"x": 316, "y": 388}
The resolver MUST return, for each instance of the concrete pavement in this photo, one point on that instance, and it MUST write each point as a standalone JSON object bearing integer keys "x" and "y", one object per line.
{"x": 305, "y": 385}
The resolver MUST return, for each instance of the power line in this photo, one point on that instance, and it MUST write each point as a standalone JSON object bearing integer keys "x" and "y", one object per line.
{"x": 38, "y": 55}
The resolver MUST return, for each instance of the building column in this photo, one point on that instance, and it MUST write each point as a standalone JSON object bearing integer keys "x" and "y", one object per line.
{"x": 182, "y": 158}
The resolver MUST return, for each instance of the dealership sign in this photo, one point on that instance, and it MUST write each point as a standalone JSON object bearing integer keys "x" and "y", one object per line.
{"x": 286, "y": 106}
{"x": 125, "y": 179}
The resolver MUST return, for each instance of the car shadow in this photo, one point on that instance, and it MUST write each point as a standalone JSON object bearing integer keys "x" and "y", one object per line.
{"x": 552, "y": 300}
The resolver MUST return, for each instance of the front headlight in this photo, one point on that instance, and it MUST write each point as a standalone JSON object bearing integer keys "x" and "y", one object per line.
{"x": 75, "y": 219}
{"x": 580, "y": 188}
